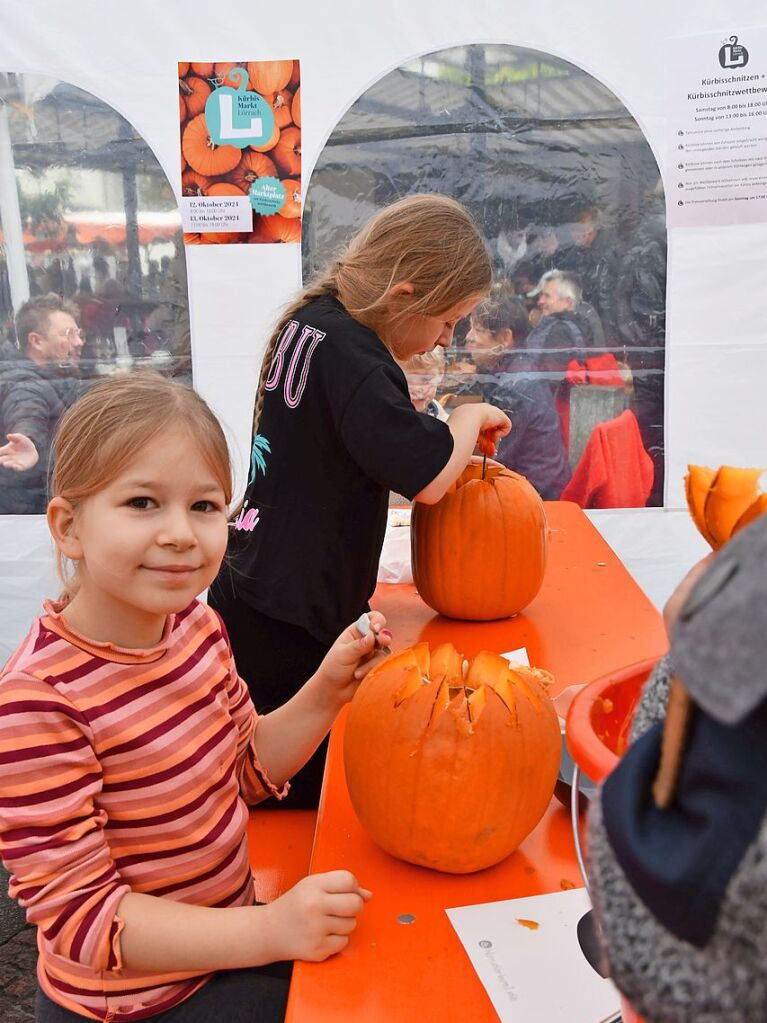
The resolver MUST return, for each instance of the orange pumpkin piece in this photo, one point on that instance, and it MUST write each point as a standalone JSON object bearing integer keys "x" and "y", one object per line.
{"x": 731, "y": 492}
{"x": 480, "y": 552}
{"x": 295, "y": 109}
{"x": 724, "y": 500}
{"x": 251, "y": 167}
{"x": 759, "y": 507}
{"x": 287, "y": 152}
{"x": 201, "y": 152}
{"x": 292, "y": 205}
{"x": 697, "y": 483}
{"x": 268, "y": 76}
{"x": 440, "y": 771}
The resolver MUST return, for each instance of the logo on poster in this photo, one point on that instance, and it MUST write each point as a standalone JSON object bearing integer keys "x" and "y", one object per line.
{"x": 732, "y": 54}
{"x": 238, "y": 117}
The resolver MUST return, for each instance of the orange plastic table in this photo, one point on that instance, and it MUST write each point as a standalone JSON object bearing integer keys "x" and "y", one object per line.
{"x": 589, "y": 618}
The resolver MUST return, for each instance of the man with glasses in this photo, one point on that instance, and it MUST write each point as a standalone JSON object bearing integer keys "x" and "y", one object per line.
{"x": 39, "y": 380}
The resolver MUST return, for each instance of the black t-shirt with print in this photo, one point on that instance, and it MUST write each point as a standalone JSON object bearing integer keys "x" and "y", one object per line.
{"x": 337, "y": 433}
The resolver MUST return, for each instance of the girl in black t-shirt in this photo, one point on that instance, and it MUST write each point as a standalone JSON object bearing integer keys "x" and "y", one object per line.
{"x": 335, "y": 431}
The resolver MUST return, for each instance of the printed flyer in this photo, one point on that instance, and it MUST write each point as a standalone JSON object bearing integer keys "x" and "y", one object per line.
{"x": 717, "y": 141}
{"x": 240, "y": 124}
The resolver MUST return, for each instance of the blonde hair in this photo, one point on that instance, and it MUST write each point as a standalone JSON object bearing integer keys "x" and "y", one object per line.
{"x": 100, "y": 434}
{"x": 429, "y": 241}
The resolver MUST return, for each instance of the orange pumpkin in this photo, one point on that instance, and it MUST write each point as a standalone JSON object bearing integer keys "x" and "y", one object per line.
{"x": 275, "y": 229}
{"x": 203, "y": 69}
{"x": 723, "y": 501}
{"x": 295, "y": 109}
{"x": 287, "y": 152}
{"x": 280, "y": 103}
{"x": 446, "y": 768}
{"x": 201, "y": 152}
{"x": 195, "y": 91}
{"x": 271, "y": 142}
{"x": 480, "y": 552}
{"x": 221, "y": 237}
{"x": 193, "y": 183}
{"x": 295, "y": 75}
{"x": 182, "y": 111}
{"x": 251, "y": 167}
{"x": 223, "y": 188}
{"x": 269, "y": 75}
{"x": 183, "y": 67}
{"x": 222, "y": 70}
{"x": 292, "y": 206}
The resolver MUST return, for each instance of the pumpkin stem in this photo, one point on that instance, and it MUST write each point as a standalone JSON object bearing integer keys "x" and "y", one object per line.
{"x": 184, "y": 87}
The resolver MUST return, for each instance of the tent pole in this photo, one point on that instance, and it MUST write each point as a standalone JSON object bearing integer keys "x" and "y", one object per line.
{"x": 10, "y": 216}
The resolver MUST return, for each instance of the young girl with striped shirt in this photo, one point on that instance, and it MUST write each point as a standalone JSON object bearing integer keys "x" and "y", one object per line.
{"x": 130, "y": 746}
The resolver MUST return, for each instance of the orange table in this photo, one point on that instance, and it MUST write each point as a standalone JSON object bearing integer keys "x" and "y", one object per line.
{"x": 589, "y": 618}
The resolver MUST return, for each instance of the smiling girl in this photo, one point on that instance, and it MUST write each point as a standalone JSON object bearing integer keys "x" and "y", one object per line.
{"x": 130, "y": 746}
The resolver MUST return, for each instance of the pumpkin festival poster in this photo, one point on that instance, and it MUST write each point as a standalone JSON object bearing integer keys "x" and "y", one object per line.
{"x": 240, "y": 125}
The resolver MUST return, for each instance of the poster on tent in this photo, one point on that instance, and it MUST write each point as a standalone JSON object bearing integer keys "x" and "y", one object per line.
{"x": 717, "y": 128}
{"x": 240, "y": 125}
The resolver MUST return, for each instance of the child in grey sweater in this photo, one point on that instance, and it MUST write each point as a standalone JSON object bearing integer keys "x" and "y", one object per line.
{"x": 677, "y": 834}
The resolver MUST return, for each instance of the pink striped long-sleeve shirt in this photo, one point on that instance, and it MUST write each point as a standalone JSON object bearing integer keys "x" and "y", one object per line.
{"x": 123, "y": 770}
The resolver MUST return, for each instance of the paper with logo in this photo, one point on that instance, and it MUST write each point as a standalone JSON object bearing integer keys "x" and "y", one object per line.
{"x": 534, "y": 957}
{"x": 716, "y": 97}
{"x": 240, "y": 124}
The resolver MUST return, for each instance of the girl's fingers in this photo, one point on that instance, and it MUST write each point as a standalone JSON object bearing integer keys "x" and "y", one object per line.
{"x": 341, "y": 924}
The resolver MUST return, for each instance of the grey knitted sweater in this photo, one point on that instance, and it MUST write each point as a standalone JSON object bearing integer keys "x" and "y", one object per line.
{"x": 667, "y": 979}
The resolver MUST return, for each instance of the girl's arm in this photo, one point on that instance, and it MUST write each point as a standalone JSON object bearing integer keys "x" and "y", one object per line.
{"x": 465, "y": 424}
{"x": 311, "y": 921}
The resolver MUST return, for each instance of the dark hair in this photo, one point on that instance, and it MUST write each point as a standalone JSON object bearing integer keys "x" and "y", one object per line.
{"x": 502, "y": 310}
{"x": 33, "y": 317}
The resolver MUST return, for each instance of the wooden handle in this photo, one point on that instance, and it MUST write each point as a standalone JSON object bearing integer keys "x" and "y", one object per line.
{"x": 674, "y": 735}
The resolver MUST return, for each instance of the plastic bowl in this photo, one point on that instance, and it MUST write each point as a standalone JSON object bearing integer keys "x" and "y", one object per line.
{"x": 599, "y": 719}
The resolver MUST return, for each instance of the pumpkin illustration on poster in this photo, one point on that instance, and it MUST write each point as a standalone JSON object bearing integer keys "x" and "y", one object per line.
{"x": 211, "y": 167}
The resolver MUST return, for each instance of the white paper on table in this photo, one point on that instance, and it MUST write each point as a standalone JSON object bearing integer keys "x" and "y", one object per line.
{"x": 517, "y": 656}
{"x": 535, "y": 974}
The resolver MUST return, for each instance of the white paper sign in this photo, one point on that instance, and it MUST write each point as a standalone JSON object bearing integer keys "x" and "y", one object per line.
{"x": 716, "y": 86}
{"x": 527, "y": 955}
{"x": 212, "y": 213}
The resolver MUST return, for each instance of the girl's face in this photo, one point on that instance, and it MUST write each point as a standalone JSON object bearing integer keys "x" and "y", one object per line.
{"x": 148, "y": 543}
{"x": 414, "y": 334}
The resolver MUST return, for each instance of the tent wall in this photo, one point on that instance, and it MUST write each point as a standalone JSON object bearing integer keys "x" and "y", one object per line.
{"x": 716, "y": 341}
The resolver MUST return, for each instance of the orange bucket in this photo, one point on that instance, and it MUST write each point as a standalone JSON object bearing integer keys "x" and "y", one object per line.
{"x": 597, "y": 732}
{"x": 599, "y": 719}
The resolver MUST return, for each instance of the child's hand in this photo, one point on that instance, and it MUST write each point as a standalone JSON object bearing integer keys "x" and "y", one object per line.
{"x": 352, "y": 656}
{"x": 313, "y": 920}
{"x": 494, "y": 424}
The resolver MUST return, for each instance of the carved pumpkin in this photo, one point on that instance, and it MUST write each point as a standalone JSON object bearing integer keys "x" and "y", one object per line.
{"x": 251, "y": 167}
{"x": 269, "y": 75}
{"x": 480, "y": 552}
{"x": 724, "y": 500}
{"x": 450, "y": 770}
{"x": 201, "y": 152}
